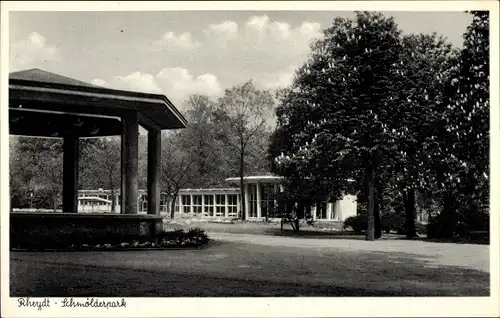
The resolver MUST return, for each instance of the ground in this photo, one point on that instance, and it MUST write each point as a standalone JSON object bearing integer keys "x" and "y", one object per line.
{"x": 238, "y": 264}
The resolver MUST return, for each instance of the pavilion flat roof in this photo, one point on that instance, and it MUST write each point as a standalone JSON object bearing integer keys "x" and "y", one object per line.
{"x": 45, "y": 92}
{"x": 38, "y": 75}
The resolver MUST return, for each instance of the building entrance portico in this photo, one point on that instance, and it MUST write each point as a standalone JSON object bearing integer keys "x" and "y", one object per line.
{"x": 260, "y": 193}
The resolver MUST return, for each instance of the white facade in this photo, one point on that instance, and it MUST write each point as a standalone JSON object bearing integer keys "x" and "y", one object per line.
{"x": 219, "y": 202}
{"x": 216, "y": 202}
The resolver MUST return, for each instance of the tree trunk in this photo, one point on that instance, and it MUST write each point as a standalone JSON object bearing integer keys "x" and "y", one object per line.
{"x": 377, "y": 207}
{"x": 376, "y": 216}
{"x": 54, "y": 202}
{"x": 409, "y": 203}
{"x": 113, "y": 201}
{"x": 110, "y": 182}
{"x": 448, "y": 217}
{"x": 297, "y": 224}
{"x": 370, "y": 231}
{"x": 419, "y": 204}
{"x": 242, "y": 189}
{"x": 172, "y": 206}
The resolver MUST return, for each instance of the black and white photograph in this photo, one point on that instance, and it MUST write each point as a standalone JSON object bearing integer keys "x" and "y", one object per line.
{"x": 341, "y": 152}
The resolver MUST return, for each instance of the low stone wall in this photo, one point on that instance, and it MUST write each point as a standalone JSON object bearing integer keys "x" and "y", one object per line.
{"x": 32, "y": 226}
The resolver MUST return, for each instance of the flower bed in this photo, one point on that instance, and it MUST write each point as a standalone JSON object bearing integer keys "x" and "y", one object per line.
{"x": 79, "y": 241}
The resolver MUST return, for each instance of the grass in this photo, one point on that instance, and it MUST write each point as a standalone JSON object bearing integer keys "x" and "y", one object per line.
{"x": 317, "y": 230}
{"x": 262, "y": 228}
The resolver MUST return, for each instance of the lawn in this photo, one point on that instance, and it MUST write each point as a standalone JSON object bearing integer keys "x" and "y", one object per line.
{"x": 260, "y": 265}
{"x": 264, "y": 228}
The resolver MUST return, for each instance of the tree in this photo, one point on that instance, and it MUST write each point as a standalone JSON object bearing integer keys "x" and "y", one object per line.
{"x": 108, "y": 154}
{"x": 463, "y": 169}
{"x": 177, "y": 167}
{"x": 240, "y": 117}
{"x": 50, "y": 174}
{"x": 100, "y": 165}
{"x": 200, "y": 139}
{"x": 344, "y": 101}
{"x": 427, "y": 60}
{"x": 87, "y": 167}
{"x": 20, "y": 175}
{"x": 36, "y": 168}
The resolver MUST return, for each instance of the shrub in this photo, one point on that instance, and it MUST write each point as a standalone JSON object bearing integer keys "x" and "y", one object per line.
{"x": 197, "y": 235}
{"x": 390, "y": 221}
{"x": 88, "y": 240}
{"x": 358, "y": 223}
{"x": 444, "y": 226}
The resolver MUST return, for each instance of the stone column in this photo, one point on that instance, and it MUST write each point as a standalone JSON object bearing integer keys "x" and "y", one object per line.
{"x": 247, "y": 199}
{"x": 129, "y": 161}
{"x": 338, "y": 208}
{"x": 70, "y": 174}
{"x": 117, "y": 202}
{"x": 329, "y": 210}
{"x": 214, "y": 206}
{"x": 203, "y": 204}
{"x": 258, "y": 201}
{"x": 191, "y": 204}
{"x": 226, "y": 205}
{"x": 238, "y": 202}
{"x": 154, "y": 170}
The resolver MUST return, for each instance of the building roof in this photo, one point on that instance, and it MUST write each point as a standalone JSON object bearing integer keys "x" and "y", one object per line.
{"x": 94, "y": 199}
{"x": 262, "y": 178}
{"x": 255, "y": 178}
{"x": 142, "y": 191}
{"x": 66, "y": 100}
{"x": 211, "y": 190}
{"x": 38, "y": 75}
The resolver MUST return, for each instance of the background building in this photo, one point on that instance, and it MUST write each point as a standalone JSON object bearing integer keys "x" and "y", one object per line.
{"x": 218, "y": 202}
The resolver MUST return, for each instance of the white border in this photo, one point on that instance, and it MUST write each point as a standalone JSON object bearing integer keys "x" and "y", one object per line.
{"x": 272, "y": 307}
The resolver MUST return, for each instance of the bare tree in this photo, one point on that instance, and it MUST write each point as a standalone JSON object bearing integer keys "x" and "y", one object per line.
{"x": 107, "y": 155}
{"x": 241, "y": 117}
{"x": 177, "y": 167}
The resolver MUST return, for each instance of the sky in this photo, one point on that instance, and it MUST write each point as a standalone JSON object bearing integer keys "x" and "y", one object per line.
{"x": 179, "y": 53}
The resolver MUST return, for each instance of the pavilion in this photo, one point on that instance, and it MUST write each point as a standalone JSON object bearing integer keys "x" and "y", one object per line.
{"x": 44, "y": 104}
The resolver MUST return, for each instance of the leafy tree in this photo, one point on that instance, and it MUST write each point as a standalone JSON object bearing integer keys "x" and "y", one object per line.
{"x": 463, "y": 168}
{"x": 240, "y": 118}
{"x": 426, "y": 61}
{"x": 342, "y": 105}
{"x": 200, "y": 139}
{"x": 20, "y": 175}
{"x": 36, "y": 169}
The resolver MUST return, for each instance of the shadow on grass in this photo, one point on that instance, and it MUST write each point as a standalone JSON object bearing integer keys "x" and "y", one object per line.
{"x": 457, "y": 241}
{"x": 309, "y": 233}
{"x": 354, "y": 236}
{"x": 273, "y": 229}
{"x": 359, "y": 274}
